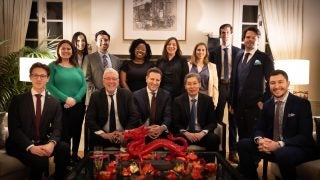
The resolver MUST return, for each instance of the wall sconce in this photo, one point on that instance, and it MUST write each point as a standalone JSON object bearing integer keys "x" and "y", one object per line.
{"x": 25, "y": 64}
{"x": 298, "y": 73}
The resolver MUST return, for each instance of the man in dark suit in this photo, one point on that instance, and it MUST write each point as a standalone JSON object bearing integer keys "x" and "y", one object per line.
{"x": 95, "y": 63}
{"x": 155, "y": 112}
{"x": 194, "y": 116}
{"x": 249, "y": 83}
{"x": 34, "y": 121}
{"x": 110, "y": 111}
{"x": 283, "y": 133}
{"x": 223, "y": 56}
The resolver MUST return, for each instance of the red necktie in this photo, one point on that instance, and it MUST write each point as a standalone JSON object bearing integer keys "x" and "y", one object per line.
{"x": 38, "y": 115}
{"x": 153, "y": 109}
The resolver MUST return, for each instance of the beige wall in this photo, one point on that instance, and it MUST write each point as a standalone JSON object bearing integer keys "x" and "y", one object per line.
{"x": 90, "y": 16}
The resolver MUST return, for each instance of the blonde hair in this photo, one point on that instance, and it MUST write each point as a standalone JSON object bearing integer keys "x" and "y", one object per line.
{"x": 194, "y": 59}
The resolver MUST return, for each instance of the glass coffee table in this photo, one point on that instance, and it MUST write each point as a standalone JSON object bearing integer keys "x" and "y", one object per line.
{"x": 158, "y": 165}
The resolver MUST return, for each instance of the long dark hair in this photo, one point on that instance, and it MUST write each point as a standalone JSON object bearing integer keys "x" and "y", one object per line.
{"x": 72, "y": 59}
{"x": 165, "y": 52}
{"x": 74, "y": 42}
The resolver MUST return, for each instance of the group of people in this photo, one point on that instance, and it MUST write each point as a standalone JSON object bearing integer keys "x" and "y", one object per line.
{"x": 172, "y": 95}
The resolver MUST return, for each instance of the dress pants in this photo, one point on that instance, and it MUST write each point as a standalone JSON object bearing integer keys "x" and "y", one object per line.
{"x": 246, "y": 119}
{"x": 287, "y": 158}
{"x": 96, "y": 140}
{"x": 39, "y": 164}
{"x": 224, "y": 90}
{"x": 210, "y": 141}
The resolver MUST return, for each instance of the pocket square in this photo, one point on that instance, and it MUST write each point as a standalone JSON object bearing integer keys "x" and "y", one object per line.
{"x": 257, "y": 62}
{"x": 291, "y": 115}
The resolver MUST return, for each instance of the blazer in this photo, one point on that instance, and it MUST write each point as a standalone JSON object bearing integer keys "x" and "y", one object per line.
{"x": 94, "y": 69}
{"x": 205, "y": 112}
{"x": 21, "y": 121}
{"x": 213, "y": 90}
{"x": 163, "y": 104}
{"x": 216, "y": 58}
{"x": 297, "y": 123}
{"x": 256, "y": 86}
{"x": 97, "y": 112}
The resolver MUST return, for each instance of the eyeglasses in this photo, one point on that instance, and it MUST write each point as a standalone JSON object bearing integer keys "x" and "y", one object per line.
{"x": 41, "y": 76}
{"x": 109, "y": 79}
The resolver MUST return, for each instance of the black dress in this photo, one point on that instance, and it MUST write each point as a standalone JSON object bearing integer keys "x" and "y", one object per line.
{"x": 173, "y": 73}
{"x": 136, "y": 74}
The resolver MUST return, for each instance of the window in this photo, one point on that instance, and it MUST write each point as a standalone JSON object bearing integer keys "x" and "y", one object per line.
{"x": 47, "y": 22}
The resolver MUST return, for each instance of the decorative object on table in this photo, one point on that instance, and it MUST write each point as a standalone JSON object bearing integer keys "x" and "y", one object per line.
{"x": 137, "y": 146}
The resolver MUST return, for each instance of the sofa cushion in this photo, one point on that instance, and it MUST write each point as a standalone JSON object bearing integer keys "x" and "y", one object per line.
{"x": 309, "y": 170}
{"x": 10, "y": 164}
{"x": 2, "y": 130}
{"x": 317, "y": 124}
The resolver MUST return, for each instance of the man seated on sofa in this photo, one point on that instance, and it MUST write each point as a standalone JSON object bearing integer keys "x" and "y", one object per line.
{"x": 194, "y": 115}
{"x": 154, "y": 105}
{"x": 34, "y": 122}
{"x": 283, "y": 133}
{"x": 110, "y": 111}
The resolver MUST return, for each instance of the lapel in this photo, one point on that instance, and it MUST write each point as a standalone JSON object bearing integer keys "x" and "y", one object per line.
{"x": 30, "y": 108}
{"x": 253, "y": 59}
{"x": 287, "y": 108}
{"x": 199, "y": 107}
{"x": 186, "y": 105}
{"x": 104, "y": 103}
{"x": 219, "y": 61}
{"x": 99, "y": 64}
{"x": 45, "y": 111}
{"x": 145, "y": 99}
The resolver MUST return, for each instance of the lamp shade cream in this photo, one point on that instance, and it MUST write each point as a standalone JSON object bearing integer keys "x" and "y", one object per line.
{"x": 297, "y": 70}
{"x": 25, "y": 64}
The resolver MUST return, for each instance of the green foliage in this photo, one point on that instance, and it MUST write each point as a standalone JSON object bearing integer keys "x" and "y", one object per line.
{"x": 10, "y": 85}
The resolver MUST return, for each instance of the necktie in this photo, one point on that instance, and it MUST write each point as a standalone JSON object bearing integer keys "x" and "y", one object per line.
{"x": 112, "y": 123}
{"x": 105, "y": 61}
{"x": 245, "y": 59}
{"x": 38, "y": 116}
{"x": 193, "y": 115}
{"x": 276, "y": 122}
{"x": 225, "y": 64}
{"x": 153, "y": 109}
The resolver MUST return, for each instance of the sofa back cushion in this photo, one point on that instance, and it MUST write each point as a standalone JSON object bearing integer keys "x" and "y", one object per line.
{"x": 317, "y": 123}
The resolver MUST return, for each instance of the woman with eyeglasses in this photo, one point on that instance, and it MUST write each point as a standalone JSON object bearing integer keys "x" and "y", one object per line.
{"x": 133, "y": 72}
{"x": 68, "y": 84}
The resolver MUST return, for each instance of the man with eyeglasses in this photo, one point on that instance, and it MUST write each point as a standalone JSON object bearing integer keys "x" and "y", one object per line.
{"x": 110, "y": 111}
{"x": 34, "y": 120}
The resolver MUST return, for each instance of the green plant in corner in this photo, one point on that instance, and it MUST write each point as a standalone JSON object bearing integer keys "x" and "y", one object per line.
{"x": 10, "y": 84}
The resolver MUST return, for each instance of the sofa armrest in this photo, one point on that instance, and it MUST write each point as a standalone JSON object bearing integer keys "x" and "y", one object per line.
{"x": 220, "y": 130}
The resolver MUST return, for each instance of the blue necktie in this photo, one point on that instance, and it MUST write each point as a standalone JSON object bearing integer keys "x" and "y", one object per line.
{"x": 105, "y": 61}
{"x": 225, "y": 64}
{"x": 193, "y": 115}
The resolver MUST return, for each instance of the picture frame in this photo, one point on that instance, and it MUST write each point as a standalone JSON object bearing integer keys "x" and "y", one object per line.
{"x": 154, "y": 20}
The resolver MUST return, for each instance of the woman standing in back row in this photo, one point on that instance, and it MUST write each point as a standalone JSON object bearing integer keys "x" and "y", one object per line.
{"x": 173, "y": 66}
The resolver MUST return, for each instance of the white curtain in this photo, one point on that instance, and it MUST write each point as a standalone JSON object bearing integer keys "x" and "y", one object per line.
{"x": 283, "y": 22}
{"x": 14, "y": 22}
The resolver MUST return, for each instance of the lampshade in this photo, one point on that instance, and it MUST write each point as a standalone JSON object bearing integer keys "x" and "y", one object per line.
{"x": 297, "y": 70}
{"x": 25, "y": 64}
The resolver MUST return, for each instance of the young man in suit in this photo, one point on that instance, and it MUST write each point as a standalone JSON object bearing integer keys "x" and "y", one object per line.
{"x": 35, "y": 126}
{"x": 223, "y": 56}
{"x": 154, "y": 105}
{"x": 97, "y": 62}
{"x": 249, "y": 83}
{"x": 110, "y": 111}
{"x": 283, "y": 133}
{"x": 194, "y": 116}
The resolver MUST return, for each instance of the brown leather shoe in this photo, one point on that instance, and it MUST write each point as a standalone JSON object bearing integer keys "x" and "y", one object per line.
{"x": 233, "y": 158}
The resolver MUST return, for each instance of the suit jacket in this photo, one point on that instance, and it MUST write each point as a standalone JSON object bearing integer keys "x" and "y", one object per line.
{"x": 163, "y": 104}
{"x": 97, "y": 112}
{"x": 256, "y": 86}
{"x": 297, "y": 122}
{"x": 205, "y": 112}
{"x": 216, "y": 58}
{"x": 94, "y": 70}
{"x": 21, "y": 121}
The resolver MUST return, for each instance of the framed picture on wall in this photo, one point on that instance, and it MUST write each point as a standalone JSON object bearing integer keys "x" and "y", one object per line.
{"x": 154, "y": 19}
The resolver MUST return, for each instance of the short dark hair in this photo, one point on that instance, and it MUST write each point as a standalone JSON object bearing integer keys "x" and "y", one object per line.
{"x": 134, "y": 45}
{"x": 190, "y": 75}
{"x": 40, "y": 65}
{"x": 102, "y": 32}
{"x": 154, "y": 70}
{"x": 279, "y": 72}
{"x": 253, "y": 29}
{"x": 225, "y": 26}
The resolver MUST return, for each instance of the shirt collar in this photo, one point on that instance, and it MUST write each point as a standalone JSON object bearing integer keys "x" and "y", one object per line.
{"x": 115, "y": 92}
{"x": 150, "y": 92}
{"x": 196, "y": 97}
{"x": 101, "y": 54}
{"x": 251, "y": 52}
{"x": 223, "y": 46}
{"x": 284, "y": 99}
{"x": 34, "y": 92}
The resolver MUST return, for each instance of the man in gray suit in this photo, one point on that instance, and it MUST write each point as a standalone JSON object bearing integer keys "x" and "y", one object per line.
{"x": 96, "y": 62}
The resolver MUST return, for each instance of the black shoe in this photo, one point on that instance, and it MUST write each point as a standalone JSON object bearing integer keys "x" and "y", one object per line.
{"x": 75, "y": 158}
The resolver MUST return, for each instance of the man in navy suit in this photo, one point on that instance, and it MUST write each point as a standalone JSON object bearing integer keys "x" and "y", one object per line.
{"x": 249, "y": 83}
{"x": 223, "y": 56}
{"x": 194, "y": 116}
{"x": 155, "y": 113}
{"x": 34, "y": 137}
{"x": 110, "y": 111}
{"x": 283, "y": 133}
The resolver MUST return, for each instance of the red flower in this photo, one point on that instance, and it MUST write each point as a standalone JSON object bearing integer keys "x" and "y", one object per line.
{"x": 147, "y": 169}
{"x": 171, "y": 175}
{"x": 126, "y": 171}
{"x": 192, "y": 156}
{"x": 211, "y": 167}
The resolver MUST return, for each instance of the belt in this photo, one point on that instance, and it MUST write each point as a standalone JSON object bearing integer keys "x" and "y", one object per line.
{"x": 223, "y": 81}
